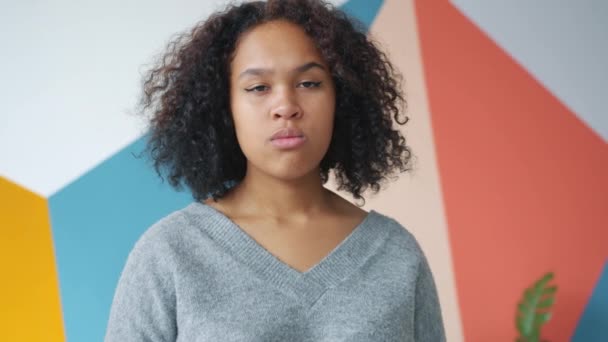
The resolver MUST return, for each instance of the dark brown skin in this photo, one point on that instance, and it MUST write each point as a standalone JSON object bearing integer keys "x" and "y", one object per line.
{"x": 281, "y": 202}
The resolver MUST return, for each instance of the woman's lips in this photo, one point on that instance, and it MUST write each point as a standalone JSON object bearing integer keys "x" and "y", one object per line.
{"x": 285, "y": 143}
{"x": 288, "y": 138}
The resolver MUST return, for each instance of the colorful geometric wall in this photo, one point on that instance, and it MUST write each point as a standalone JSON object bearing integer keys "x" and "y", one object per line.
{"x": 523, "y": 178}
{"x": 506, "y": 123}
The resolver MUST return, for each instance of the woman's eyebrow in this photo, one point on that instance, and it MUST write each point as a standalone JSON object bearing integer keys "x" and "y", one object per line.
{"x": 308, "y": 66}
{"x": 262, "y": 71}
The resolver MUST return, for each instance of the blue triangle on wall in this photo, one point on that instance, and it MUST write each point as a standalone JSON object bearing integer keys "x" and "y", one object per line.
{"x": 363, "y": 10}
{"x": 95, "y": 222}
{"x": 593, "y": 325}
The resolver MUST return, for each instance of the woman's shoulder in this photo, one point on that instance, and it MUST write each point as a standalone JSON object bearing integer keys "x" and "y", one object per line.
{"x": 398, "y": 235}
{"x": 177, "y": 228}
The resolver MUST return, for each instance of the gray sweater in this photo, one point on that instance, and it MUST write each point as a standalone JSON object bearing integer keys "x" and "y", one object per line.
{"x": 196, "y": 276}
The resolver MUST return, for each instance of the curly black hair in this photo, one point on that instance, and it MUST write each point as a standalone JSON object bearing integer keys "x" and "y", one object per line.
{"x": 192, "y": 135}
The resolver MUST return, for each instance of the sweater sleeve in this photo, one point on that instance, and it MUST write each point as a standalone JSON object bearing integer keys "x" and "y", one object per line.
{"x": 428, "y": 322}
{"x": 144, "y": 307}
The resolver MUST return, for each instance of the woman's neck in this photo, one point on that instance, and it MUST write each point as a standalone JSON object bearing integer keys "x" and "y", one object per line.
{"x": 261, "y": 194}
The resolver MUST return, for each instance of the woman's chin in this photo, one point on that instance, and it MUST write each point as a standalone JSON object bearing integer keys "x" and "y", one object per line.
{"x": 288, "y": 168}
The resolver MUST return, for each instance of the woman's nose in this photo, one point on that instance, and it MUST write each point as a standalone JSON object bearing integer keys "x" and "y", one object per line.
{"x": 286, "y": 107}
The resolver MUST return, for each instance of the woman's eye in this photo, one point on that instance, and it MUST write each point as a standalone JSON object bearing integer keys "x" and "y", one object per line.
{"x": 259, "y": 88}
{"x": 310, "y": 84}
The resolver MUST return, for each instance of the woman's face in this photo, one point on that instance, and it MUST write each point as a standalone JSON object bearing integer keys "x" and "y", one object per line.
{"x": 280, "y": 84}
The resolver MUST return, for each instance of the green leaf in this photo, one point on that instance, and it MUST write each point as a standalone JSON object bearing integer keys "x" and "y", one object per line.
{"x": 543, "y": 318}
{"x": 550, "y": 290}
{"x": 532, "y": 309}
{"x": 546, "y": 303}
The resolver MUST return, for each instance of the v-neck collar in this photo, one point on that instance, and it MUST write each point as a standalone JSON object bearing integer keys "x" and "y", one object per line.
{"x": 347, "y": 257}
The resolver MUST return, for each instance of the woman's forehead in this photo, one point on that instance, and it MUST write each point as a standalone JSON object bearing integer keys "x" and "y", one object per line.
{"x": 279, "y": 45}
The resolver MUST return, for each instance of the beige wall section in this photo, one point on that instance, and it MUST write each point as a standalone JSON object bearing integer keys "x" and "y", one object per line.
{"x": 415, "y": 199}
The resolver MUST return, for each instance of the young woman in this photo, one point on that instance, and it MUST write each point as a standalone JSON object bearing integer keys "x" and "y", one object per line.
{"x": 251, "y": 110}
